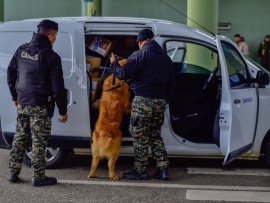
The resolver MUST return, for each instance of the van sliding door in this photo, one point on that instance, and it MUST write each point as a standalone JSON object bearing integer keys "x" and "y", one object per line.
{"x": 70, "y": 46}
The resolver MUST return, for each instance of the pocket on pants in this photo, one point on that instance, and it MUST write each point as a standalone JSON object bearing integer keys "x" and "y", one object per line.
{"x": 137, "y": 127}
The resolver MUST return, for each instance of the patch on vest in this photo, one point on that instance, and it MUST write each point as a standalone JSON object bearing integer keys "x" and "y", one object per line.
{"x": 26, "y": 55}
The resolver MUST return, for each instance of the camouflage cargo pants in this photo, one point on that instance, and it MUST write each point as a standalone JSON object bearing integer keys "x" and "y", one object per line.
{"x": 32, "y": 122}
{"x": 147, "y": 117}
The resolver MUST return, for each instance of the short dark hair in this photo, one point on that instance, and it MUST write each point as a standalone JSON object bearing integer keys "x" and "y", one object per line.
{"x": 237, "y": 35}
{"x": 46, "y": 32}
{"x": 48, "y": 25}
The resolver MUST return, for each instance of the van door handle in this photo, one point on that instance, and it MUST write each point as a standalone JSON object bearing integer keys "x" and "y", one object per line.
{"x": 69, "y": 97}
{"x": 237, "y": 101}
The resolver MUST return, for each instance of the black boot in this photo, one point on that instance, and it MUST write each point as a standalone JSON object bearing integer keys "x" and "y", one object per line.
{"x": 135, "y": 175}
{"x": 13, "y": 178}
{"x": 162, "y": 174}
{"x": 45, "y": 181}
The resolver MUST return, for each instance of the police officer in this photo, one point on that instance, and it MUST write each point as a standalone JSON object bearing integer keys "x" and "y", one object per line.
{"x": 264, "y": 52}
{"x": 151, "y": 74}
{"x": 35, "y": 80}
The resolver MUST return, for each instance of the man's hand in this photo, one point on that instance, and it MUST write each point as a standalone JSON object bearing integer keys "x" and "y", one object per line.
{"x": 16, "y": 103}
{"x": 63, "y": 119}
{"x": 113, "y": 58}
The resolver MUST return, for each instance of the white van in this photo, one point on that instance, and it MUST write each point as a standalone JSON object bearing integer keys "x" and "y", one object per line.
{"x": 216, "y": 87}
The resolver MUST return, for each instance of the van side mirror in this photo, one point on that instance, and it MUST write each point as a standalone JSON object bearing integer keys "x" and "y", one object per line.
{"x": 262, "y": 78}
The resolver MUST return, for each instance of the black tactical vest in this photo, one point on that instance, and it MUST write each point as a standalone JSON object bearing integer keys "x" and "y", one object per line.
{"x": 32, "y": 73}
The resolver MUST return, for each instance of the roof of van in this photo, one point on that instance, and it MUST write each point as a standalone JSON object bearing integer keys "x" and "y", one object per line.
{"x": 105, "y": 19}
{"x": 160, "y": 27}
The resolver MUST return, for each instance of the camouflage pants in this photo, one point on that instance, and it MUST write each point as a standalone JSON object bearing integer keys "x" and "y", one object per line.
{"x": 32, "y": 122}
{"x": 147, "y": 117}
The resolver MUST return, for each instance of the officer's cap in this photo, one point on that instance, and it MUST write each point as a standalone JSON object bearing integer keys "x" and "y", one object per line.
{"x": 48, "y": 24}
{"x": 145, "y": 34}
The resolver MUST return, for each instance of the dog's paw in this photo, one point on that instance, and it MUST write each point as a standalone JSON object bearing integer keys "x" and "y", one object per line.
{"x": 115, "y": 177}
{"x": 91, "y": 176}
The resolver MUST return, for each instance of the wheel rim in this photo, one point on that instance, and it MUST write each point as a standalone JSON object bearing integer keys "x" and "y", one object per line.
{"x": 50, "y": 153}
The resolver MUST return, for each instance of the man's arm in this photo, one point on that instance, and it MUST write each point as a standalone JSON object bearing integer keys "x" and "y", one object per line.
{"x": 12, "y": 77}
{"x": 126, "y": 71}
{"x": 58, "y": 88}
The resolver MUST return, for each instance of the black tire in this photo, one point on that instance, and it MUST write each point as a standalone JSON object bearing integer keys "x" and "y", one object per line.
{"x": 54, "y": 157}
{"x": 267, "y": 151}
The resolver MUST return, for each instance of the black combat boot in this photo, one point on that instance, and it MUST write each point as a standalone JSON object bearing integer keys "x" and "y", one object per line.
{"x": 162, "y": 174}
{"x": 13, "y": 178}
{"x": 135, "y": 175}
{"x": 44, "y": 182}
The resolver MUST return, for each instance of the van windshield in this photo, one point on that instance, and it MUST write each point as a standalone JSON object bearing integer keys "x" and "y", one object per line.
{"x": 257, "y": 65}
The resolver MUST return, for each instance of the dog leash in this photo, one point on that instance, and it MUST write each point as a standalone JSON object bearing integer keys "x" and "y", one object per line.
{"x": 121, "y": 82}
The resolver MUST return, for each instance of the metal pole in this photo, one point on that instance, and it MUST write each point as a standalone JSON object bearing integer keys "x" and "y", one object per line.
{"x": 97, "y": 7}
{"x": 204, "y": 13}
{"x": 89, "y": 8}
{"x": 83, "y": 8}
{"x": 1, "y": 10}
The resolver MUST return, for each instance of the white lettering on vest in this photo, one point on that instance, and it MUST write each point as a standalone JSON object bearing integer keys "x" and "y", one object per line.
{"x": 28, "y": 56}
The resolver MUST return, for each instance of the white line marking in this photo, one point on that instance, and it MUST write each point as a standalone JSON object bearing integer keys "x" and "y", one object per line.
{"x": 164, "y": 185}
{"x": 220, "y": 171}
{"x": 4, "y": 151}
{"x": 234, "y": 196}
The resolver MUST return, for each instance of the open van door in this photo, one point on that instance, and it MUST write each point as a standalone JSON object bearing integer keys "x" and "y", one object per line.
{"x": 238, "y": 109}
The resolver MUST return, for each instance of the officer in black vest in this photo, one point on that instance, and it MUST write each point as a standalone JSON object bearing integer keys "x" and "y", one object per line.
{"x": 152, "y": 82}
{"x": 35, "y": 79}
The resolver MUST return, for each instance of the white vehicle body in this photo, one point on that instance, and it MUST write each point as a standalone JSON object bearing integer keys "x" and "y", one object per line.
{"x": 244, "y": 107}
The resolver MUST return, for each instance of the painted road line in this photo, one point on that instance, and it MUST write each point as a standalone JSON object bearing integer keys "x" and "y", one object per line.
{"x": 4, "y": 151}
{"x": 233, "y": 196}
{"x": 220, "y": 171}
{"x": 164, "y": 185}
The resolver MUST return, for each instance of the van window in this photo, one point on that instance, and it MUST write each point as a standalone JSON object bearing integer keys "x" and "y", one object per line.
{"x": 190, "y": 57}
{"x": 177, "y": 51}
{"x": 235, "y": 65}
{"x": 257, "y": 65}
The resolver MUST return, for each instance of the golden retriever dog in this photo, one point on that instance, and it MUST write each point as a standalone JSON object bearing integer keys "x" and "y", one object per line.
{"x": 114, "y": 102}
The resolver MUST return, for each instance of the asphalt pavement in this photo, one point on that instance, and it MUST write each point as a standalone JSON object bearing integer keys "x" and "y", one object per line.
{"x": 191, "y": 180}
